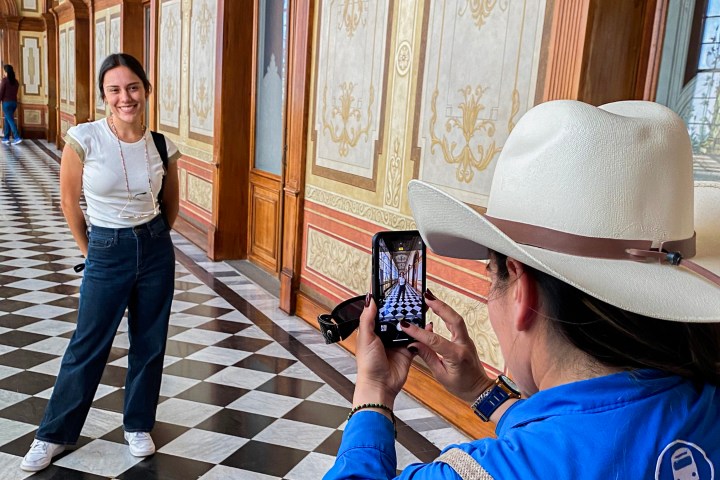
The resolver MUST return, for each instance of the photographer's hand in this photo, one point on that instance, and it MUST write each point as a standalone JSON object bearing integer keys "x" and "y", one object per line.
{"x": 455, "y": 362}
{"x": 381, "y": 372}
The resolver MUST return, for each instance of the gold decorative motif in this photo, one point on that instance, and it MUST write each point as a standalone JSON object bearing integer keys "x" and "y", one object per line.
{"x": 204, "y": 24}
{"x": 392, "y": 192}
{"x": 389, "y": 220}
{"x": 345, "y": 123}
{"x": 468, "y": 125}
{"x": 476, "y": 318}
{"x": 515, "y": 108}
{"x": 338, "y": 261}
{"x": 479, "y": 9}
{"x": 202, "y": 102}
{"x": 31, "y": 66}
{"x": 31, "y": 117}
{"x": 353, "y": 16}
{"x": 169, "y": 91}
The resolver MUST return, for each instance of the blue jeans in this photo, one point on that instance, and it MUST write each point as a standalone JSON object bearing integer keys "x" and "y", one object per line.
{"x": 9, "y": 123}
{"x": 128, "y": 267}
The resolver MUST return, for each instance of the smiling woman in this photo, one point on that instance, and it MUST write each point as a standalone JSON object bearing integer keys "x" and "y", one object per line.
{"x": 130, "y": 261}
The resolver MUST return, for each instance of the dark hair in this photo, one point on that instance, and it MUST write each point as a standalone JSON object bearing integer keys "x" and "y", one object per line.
{"x": 122, "y": 60}
{"x": 621, "y": 339}
{"x": 10, "y": 74}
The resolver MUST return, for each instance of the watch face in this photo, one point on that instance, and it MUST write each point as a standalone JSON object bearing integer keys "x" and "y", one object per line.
{"x": 510, "y": 384}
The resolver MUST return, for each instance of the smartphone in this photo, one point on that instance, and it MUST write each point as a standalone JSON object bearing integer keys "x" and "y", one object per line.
{"x": 398, "y": 283}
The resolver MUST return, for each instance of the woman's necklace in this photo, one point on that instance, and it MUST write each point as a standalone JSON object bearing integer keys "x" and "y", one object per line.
{"x": 124, "y": 167}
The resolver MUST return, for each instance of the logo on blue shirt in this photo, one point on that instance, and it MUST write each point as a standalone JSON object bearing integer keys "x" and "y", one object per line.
{"x": 682, "y": 460}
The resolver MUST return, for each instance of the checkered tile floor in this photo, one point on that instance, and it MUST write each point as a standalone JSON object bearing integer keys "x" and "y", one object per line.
{"x": 248, "y": 392}
{"x": 398, "y": 306}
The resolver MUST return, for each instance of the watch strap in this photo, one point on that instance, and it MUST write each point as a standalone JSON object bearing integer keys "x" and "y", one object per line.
{"x": 491, "y": 399}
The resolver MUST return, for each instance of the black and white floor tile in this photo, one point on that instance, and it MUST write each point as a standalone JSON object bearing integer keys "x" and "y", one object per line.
{"x": 248, "y": 392}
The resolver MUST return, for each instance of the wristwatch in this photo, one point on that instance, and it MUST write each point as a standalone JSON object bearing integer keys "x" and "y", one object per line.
{"x": 489, "y": 401}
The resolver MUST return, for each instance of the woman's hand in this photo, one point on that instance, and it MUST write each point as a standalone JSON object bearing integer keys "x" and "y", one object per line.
{"x": 381, "y": 372}
{"x": 455, "y": 362}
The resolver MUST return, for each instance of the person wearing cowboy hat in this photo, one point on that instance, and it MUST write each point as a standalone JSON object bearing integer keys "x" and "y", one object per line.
{"x": 603, "y": 257}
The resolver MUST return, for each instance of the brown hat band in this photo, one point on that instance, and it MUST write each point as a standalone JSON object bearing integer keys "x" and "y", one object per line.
{"x": 674, "y": 252}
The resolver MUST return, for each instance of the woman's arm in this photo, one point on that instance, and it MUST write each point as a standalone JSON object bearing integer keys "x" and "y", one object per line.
{"x": 71, "y": 170}
{"x": 171, "y": 194}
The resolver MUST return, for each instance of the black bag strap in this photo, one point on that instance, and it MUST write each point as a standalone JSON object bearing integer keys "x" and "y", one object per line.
{"x": 161, "y": 146}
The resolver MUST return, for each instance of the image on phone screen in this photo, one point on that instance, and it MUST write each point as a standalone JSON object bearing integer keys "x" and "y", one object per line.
{"x": 399, "y": 283}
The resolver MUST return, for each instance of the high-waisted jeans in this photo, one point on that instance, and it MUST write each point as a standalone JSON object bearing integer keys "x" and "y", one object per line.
{"x": 9, "y": 124}
{"x": 128, "y": 267}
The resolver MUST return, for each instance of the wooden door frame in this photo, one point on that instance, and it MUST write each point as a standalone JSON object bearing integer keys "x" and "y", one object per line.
{"x": 296, "y": 125}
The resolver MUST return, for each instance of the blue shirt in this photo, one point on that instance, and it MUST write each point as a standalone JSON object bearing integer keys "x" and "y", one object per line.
{"x": 633, "y": 425}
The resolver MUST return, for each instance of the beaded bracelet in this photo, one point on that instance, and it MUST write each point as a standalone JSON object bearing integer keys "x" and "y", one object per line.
{"x": 375, "y": 405}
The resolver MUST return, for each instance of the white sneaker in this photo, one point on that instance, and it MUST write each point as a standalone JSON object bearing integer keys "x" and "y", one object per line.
{"x": 141, "y": 444}
{"x": 40, "y": 455}
{"x": 6, "y": 142}
{"x": 16, "y": 141}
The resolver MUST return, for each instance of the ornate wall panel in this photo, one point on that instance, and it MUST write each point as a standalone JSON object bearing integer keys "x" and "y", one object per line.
{"x": 107, "y": 41}
{"x": 170, "y": 59}
{"x": 32, "y": 72}
{"x": 350, "y": 74}
{"x": 114, "y": 36}
{"x": 201, "y": 94}
{"x": 199, "y": 192}
{"x": 32, "y": 117}
{"x": 470, "y": 98}
{"x": 63, "y": 66}
{"x": 455, "y": 76}
{"x": 100, "y": 54}
{"x": 71, "y": 64}
{"x": 337, "y": 261}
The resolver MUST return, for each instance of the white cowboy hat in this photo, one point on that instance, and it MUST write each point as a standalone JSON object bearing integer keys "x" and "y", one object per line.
{"x": 589, "y": 195}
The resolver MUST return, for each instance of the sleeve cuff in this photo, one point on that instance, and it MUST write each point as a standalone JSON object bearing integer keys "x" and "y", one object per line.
{"x": 75, "y": 145}
{"x": 369, "y": 429}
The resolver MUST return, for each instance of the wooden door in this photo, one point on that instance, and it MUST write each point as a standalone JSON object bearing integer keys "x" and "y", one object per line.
{"x": 266, "y": 173}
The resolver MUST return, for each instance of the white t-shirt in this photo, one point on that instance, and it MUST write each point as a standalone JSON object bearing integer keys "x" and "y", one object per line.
{"x": 104, "y": 180}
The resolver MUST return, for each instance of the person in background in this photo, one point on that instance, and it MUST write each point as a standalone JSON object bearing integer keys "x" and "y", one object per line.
{"x": 401, "y": 286}
{"x": 9, "y": 87}
{"x": 603, "y": 258}
{"x": 129, "y": 262}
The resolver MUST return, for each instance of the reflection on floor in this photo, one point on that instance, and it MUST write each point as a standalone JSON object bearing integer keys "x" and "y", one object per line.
{"x": 248, "y": 392}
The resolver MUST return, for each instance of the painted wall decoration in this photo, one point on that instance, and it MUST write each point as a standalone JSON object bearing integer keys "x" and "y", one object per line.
{"x": 201, "y": 94}
{"x": 32, "y": 73}
{"x": 169, "y": 74}
{"x": 32, "y": 117}
{"x": 350, "y": 72}
{"x": 114, "y": 37}
{"x": 100, "y": 54}
{"x": 71, "y": 65}
{"x": 472, "y": 97}
{"x": 63, "y": 66}
{"x": 446, "y": 114}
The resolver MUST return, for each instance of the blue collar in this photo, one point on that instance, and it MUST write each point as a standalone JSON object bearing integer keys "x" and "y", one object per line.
{"x": 588, "y": 396}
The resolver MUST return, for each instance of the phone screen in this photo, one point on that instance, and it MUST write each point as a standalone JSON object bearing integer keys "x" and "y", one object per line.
{"x": 398, "y": 283}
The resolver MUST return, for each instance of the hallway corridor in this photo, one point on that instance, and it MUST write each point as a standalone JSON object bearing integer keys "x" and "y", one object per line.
{"x": 248, "y": 392}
